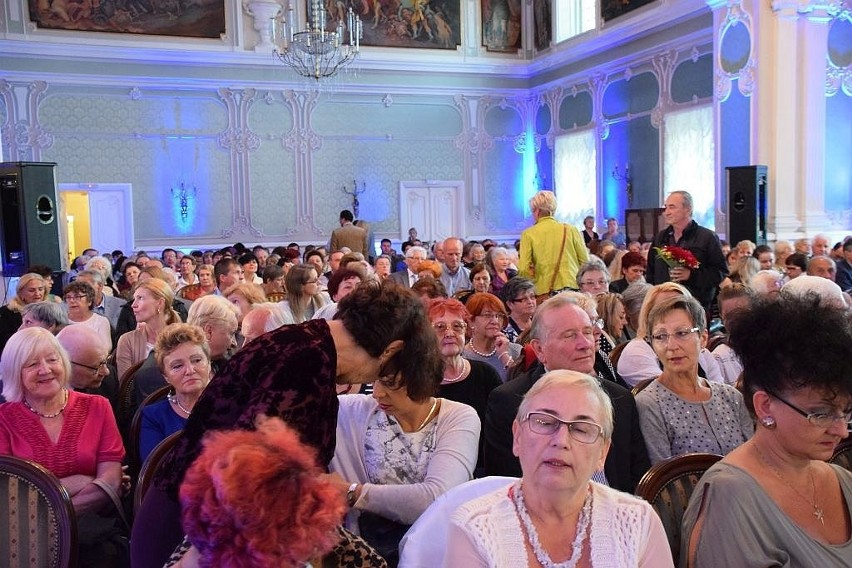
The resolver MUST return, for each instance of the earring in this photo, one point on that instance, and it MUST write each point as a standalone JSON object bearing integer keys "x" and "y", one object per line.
{"x": 768, "y": 422}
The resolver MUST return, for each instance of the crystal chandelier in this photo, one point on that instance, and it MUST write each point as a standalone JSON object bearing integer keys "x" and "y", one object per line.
{"x": 316, "y": 53}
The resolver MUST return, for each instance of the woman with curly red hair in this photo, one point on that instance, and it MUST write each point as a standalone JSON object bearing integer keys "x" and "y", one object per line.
{"x": 226, "y": 493}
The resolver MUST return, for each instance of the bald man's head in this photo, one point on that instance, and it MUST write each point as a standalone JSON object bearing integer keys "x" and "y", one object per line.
{"x": 88, "y": 353}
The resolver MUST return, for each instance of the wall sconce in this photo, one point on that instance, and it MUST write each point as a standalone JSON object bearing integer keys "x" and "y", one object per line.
{"x": 355, "y": 193}
{"x": 625, "y": 177}
{"x": 183, "y": 195}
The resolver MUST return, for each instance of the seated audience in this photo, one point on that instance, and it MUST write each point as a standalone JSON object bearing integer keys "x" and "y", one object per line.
{"x": 527, "y": 524}
{"x": 228, "y": 523}
{"x": 88, "y": 353}
{"x": 464, "y": 380}
{"x": 638, "y": 360}
{"x": 734, "y": 301}
{"x": 611, "y": 309}
{"x": 73, "y": 435}
{"x": 49, "y": 315}
{"x": 429, "y": 288}
{"x": 80, "y": 299}
{"x": 681, "y": 412}
{"x": 292, "y": 373}
{"x": 499, "y": 264}
{"x": 304, "y": 297}
{"x": 519, "y": 297}
{"x": 152, "y": 306}
{"x": 774, "y": 501}
{"x": 129, "y": 277}
{"x": 29, "y": 290}
{"x": 487, "y": 341}
{"x": 183, "y": 358}
{"x": 244, "y": 296}
{"x": 767, "y": 283}
{"x": 263, "y": 318}
{"x": 480, "y": 278}
{"x": 397, "y": 451}
{"x": 593, "y": 278}
{"x": 632, "y": 270}
{"x": 341, "y": 283}
{"x": 795, "y": 265}
{"x": 827, "y": 291}
{"x": 217, "y": 318}
{"x": 273, "y": 279}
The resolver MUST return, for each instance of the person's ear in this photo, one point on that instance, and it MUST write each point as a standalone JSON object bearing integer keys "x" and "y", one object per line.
{"x": 703, "y": 337}
{"x": 516, "y": 428}
{"x": 539, "y": 352}
{"x": 604, "y": 452}
{"x": 392, "y": 349}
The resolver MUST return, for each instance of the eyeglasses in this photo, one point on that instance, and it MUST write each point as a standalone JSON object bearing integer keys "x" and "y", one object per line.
{"x": 600, "y": 282}
{"x": 819, "y": 419}
{"x": 546, "y": 424}
{"x": 679, "y": 336}
{"x": 492, "y": 316}
{"x": 598, "y": 322}
{"x": 458, "y": 327}
{"x": 95, "y": 369}
{"x": 75, "y": 297}
{"x": 530, "y": 298}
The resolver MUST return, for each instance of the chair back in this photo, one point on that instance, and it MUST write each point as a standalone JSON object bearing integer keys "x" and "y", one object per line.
{"x": 668, "y": 485}
{"x": 38, "y": 526}
{"x": 136, "y": 427}
{"x": 641, "y": 385}
{"x": 615, "y": 354}
{"x": 150, "y": 467}
{"x": 843, "y": 454}
{"x": 424, "y": 544}
{"x": 125, "y": 393}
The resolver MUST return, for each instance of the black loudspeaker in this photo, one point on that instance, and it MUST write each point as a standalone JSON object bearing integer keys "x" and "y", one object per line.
{"x": 747, "y": 204}
{"x": 29, "y": 233}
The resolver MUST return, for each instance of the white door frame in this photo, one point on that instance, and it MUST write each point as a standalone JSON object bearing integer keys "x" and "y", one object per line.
{"x": 115, "y": 215}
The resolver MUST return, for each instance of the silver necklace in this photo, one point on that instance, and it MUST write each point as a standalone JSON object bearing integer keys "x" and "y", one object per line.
{"x": 174, "y": 400}
{"x": 458, "y": 377}
{"x": 472, "y": 348}
{"x": 54, "y": 415}
{"x": 540, "y": 554}
{"x": 818, "y": 511}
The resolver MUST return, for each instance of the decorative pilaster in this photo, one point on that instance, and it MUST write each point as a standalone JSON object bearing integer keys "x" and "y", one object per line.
{"x": 473, "y": 142}
{"x": 303, "y": 142}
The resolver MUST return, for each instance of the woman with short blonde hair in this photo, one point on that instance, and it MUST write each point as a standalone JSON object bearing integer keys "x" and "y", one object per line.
{"x": 30, "y": 289}
{"x": 217, "y": 317}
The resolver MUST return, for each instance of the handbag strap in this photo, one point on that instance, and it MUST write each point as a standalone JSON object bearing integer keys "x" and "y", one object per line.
{"x": 559, "y": 260}
{"x": 115, "y": 500}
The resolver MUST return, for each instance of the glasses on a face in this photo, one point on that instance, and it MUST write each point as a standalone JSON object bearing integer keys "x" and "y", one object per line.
{"x": 598, "y": 322}
{"x": 492, "y": 316}
{"x": 819, "y": 419}
{"x": 601, "y": 282}
{"x": 530, "y": 298}
{"x": 547, "y": 424}
{"x": 457, "y": 327}
{"x": 679, "y": 336}
{"x": 75, "y": 297}
{"x": 94, "y": 370}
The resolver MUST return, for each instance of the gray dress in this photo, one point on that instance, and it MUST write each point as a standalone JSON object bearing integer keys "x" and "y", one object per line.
{"x": 673, "y": 426}
{"x": 743, "y": 527}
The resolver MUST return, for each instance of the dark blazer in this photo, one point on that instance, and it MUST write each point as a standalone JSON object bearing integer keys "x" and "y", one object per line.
{"x": 401, "y": 277}
{"x": 626, "y": 462}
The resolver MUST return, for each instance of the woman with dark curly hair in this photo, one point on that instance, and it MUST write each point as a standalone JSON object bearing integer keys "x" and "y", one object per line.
{"x": 774, "y": 501}
{"x": 380, "y": 330}
{"x": 80, "y": 299}
{"x": 225, "y": 498}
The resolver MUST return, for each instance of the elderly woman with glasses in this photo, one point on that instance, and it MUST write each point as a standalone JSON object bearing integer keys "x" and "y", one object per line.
{"x": 487, "y": 341}
{"x": 555, "y": 515}
{"x": 80, "y": 299}
{"x": 518, "y": 295}
{"x": 774, "y": 501}
{"x": 681, "y": 412}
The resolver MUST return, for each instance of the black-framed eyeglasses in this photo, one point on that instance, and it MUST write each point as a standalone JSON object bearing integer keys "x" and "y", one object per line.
{"x": 819, "y": 419}
{"x": 95, "y": 369}
{"x": 547, "y": 424}
{"x": 529, "y": 298}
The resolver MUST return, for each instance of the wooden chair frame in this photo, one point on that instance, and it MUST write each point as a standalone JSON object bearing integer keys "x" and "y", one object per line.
{"x": 135, "y": 431}
{"x": 58, "y": 501}
{"x": 149, "y": 468}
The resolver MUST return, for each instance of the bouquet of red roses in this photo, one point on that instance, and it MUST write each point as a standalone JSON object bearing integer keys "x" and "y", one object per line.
{"x": 677, "y": 256}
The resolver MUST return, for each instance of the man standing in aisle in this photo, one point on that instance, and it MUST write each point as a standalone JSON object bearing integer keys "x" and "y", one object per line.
{"x": 551, "y": 252}
{"x": 349, "y": 236}
{"x": 685, "y": 233}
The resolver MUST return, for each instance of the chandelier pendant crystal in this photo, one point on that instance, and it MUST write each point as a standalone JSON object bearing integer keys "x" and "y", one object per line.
{"x": 315, "y": 53}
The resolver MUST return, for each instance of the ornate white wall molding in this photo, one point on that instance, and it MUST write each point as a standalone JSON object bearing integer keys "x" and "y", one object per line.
{"x": 302, "y": 141}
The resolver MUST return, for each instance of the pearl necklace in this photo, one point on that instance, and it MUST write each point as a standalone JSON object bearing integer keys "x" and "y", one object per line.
{"x": 57, "y": 413}
{"x": 174, "y": 400}
{"x": 819, "y": 513}
{"x": 540, "y": 554}
{"x": 458, "y": 377}
{"x": 472, "y": 348}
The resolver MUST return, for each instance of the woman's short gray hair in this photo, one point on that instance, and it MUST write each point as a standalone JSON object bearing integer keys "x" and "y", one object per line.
{"x": 48, "y": 313}
{"x": 565, "y": 378}
{"x": 20, "y": 347}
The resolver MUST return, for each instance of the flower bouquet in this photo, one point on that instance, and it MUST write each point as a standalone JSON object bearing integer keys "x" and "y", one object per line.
{"x": 676, "y": 257}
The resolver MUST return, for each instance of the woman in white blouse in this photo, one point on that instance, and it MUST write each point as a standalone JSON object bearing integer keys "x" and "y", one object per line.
{"x": 80, "y": 299}
{"x": 397, "y": 451}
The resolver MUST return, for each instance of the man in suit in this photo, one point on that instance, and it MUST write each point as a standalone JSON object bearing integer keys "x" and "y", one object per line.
{"x": 107, "y": 306}
{"x": 563, "y": 338}
{"x": 413, "y": 257}
{"x": 349, "y": 236}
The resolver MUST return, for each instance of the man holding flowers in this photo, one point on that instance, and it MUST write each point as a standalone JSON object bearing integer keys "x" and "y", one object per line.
{"x": 686, "y": 252}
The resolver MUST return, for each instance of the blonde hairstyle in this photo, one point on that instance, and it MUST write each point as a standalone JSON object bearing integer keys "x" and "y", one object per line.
{"x": 651, "y": 300}
{"x": 252, "y": 293}
{"x": 173, "y": 336}
{"x": 16, "y": 304}
{"x": 213, "y": 310}
{"x": 20, "y": 347}
{"x": 161, "y": 291}
{"x": 565, "y": 378}
{"x": 545, "y": 202}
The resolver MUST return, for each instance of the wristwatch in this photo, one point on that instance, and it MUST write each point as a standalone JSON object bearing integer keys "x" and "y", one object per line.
{"x": 350, "y": 494}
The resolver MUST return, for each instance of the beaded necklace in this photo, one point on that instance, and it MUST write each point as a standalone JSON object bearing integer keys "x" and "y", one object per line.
{"x": 54, "y": 415}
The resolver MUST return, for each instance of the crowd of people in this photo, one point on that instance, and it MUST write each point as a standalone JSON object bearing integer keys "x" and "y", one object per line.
{"x": 370, "y": 383}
